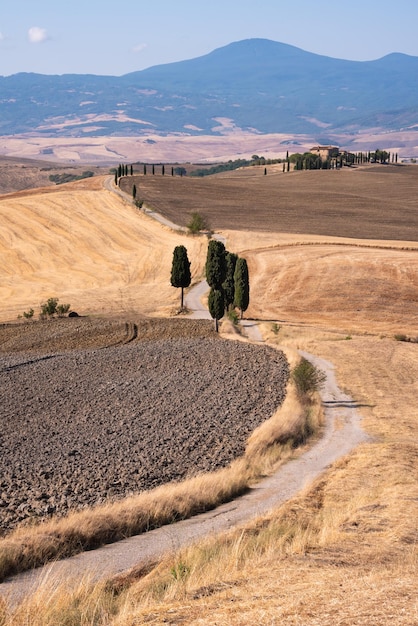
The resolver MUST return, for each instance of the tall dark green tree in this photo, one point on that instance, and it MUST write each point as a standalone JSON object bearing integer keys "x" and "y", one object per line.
{"x": 180, "y": 270}
{"x": 216, "y": 264}
{"x": 242, "y": 286}
{"x": 145, "y": 170}
{"x": 134, "y": 192}
{"x": 153, "y": 169}
{"x": 228, "y": 285}
{"x": 216, "y": 305}
{"x": 132, "y": 170}
{"x": 163, "y": 170}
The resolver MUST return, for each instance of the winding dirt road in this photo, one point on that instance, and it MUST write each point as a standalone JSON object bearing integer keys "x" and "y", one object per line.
{"x": 342, "y": 433}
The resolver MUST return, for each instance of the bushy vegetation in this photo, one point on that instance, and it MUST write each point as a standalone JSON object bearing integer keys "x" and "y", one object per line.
{"x": 403, "y": 337}
{"x": 221, "y": 167}
{"x": 66, "y": 177}
{"x": 197, "y": 223}
{"x": 51, "y": 308}
{"x": 307, "y": 378}
{"x": 233, "y": 165}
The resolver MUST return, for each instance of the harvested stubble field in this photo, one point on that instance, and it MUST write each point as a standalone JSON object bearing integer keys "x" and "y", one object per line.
{"x": 84, "y": 426}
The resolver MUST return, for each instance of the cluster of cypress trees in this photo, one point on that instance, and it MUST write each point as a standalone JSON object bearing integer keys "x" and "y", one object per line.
{"x": 125, "y": 170}
{"x": 227, "y": 277}
{"x": 226, "y": 274}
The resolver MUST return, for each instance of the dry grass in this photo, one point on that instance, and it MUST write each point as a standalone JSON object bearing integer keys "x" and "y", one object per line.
{"x": 113, "y": 257}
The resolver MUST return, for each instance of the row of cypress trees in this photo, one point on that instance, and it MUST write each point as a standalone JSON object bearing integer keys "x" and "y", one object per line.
{"x": 226, "y": 275}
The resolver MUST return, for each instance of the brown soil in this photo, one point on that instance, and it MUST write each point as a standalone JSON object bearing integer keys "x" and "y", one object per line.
{"x": 374, "y": 202}
{"x": 79, "y": 427}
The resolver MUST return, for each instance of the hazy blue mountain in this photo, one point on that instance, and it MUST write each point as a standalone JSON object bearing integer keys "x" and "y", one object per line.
{"x": 257, "y": 84}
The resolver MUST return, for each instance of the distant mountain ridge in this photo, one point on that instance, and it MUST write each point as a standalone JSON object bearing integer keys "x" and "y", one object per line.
{"x": 256, "y": 85}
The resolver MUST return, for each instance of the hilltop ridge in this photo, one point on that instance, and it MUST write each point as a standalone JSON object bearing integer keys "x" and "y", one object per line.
{"x": 254, "y": 85}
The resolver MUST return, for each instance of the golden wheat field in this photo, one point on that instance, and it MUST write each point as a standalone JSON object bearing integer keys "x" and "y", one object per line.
{"x": 342, "y": 553}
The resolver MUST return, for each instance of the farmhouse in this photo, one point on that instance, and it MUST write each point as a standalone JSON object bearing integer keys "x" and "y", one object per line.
{"x": 325, "y": 152}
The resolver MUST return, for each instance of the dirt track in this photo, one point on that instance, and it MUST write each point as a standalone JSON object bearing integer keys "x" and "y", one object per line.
{"x": 81, "y": 427}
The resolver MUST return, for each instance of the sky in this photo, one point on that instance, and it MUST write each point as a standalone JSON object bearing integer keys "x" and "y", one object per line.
{"x": 114, "y": 38}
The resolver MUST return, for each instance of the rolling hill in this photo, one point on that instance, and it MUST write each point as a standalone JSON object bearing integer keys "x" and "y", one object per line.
{"x": 255, "y": 85}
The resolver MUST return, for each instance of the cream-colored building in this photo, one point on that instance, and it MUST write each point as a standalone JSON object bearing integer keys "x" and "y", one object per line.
{"x": 325, "y": 152}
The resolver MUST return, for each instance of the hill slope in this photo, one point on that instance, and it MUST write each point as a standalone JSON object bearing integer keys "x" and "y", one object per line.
{"x": 84, "y": 245}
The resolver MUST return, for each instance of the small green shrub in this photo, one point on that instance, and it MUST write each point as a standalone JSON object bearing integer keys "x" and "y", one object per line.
{"x": 197, "y": 223}
{"x": 28, "y": 314}
{"x": 51, "y": 307}
{"x": 275, "y": 328}
{"x": 62, "y": 309}
{"x": 401, "y": 337}
{"x": 307, "y": 377}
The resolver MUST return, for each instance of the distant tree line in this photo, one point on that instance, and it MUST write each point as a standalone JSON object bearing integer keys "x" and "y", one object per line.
{"x": 234, "y": 165}
{"x": 65, "y": 177}
{"x": 311, "y": 161}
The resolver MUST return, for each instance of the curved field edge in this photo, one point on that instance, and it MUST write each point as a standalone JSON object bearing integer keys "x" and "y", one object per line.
{"x": 272, "y": 443}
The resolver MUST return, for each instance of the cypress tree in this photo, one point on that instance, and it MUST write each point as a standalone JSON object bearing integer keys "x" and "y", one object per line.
{"x": 119, "y": 170}
{"x": 163, "y": 170}
{"x": 228, "y": 285}
{"x": 242, "y": 286}
{"x": 172, "y": 171}
{"x": 116, "y": 177}
{"x": 215, "y": 264}
{"x": 180, "y": 270}
{"x": 132, "y": 170}
{"x": 153, "y": 169}
{"x": 145, "y": 170}
{"x": 134, "y": 192}
{"x": 216, "y": 305}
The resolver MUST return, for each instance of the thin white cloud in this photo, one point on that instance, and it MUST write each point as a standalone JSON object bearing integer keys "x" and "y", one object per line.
{"x": 139, "y": 47}
{"x": 2, "y": 37}
{"x": 37, "y": 35}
